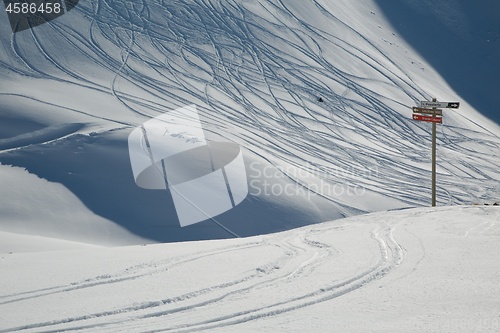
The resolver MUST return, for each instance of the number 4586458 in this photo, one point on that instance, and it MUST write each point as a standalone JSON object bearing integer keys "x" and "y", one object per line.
{"x": 33, "y": 8}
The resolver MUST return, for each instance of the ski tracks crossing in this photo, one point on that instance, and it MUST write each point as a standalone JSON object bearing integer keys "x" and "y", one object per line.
{"x": 295, "y": 267}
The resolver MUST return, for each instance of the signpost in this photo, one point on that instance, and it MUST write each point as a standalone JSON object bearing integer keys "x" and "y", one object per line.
{"x": 434, "y": 112}
{"x": 447, "y": 105}
{"x": 437, "y": 120}
{"x": 434, "y": 116}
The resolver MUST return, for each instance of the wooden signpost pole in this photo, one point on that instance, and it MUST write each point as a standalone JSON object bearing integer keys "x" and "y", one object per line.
{"x": 434, "y": 161}
{"x": 434, "y": 116}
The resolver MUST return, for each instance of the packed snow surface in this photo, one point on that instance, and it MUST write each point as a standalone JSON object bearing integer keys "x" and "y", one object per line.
{"x": 417, "y": 270}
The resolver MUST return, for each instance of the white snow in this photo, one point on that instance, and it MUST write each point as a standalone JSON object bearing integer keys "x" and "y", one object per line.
{"x": 77, "y": 233}
{"x": 417, "y": 270}
{"x": 36, "y": 207}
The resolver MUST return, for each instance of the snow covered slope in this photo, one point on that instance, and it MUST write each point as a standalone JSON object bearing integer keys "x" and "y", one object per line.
{"x": 418, "y": 270}
{"x": 73, "y": 89}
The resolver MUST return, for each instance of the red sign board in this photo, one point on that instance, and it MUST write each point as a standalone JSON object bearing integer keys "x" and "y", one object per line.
{"x": 429, "y": 119}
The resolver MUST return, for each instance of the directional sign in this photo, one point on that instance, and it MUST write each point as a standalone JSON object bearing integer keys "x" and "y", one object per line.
{"x": 449, "y": 105}
{"x": 434, "y": 112}
{"x": 438, "y": 120}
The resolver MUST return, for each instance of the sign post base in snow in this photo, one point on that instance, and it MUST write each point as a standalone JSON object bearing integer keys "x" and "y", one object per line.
{"x": 434, "y": 116}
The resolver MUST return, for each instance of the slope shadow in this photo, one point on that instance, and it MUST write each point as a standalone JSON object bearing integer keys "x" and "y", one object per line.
{"x": 96, "y": 168}
{"x": 462, "y": 42}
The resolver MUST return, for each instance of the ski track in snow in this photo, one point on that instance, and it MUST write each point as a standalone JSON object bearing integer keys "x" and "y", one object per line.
{"x": 302, "y": 254}
{"x": 234, "y": 65}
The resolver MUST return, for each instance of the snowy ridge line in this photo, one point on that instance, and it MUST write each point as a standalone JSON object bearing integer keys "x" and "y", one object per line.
{"x": 45, "y": 135}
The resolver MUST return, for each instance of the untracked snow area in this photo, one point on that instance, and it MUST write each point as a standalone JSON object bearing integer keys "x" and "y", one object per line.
{"x": 417, "y": 270}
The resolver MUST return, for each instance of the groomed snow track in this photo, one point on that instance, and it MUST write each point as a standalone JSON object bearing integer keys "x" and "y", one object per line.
{"x": 295, "y": 259}
{"x": 381, "y": 263}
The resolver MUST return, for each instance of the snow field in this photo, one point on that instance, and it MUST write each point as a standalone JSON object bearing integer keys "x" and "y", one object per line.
{"x": 414, "y": 270}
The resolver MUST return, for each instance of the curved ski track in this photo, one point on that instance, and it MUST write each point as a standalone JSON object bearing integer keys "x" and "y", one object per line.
{"x": 292, "y": 276}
